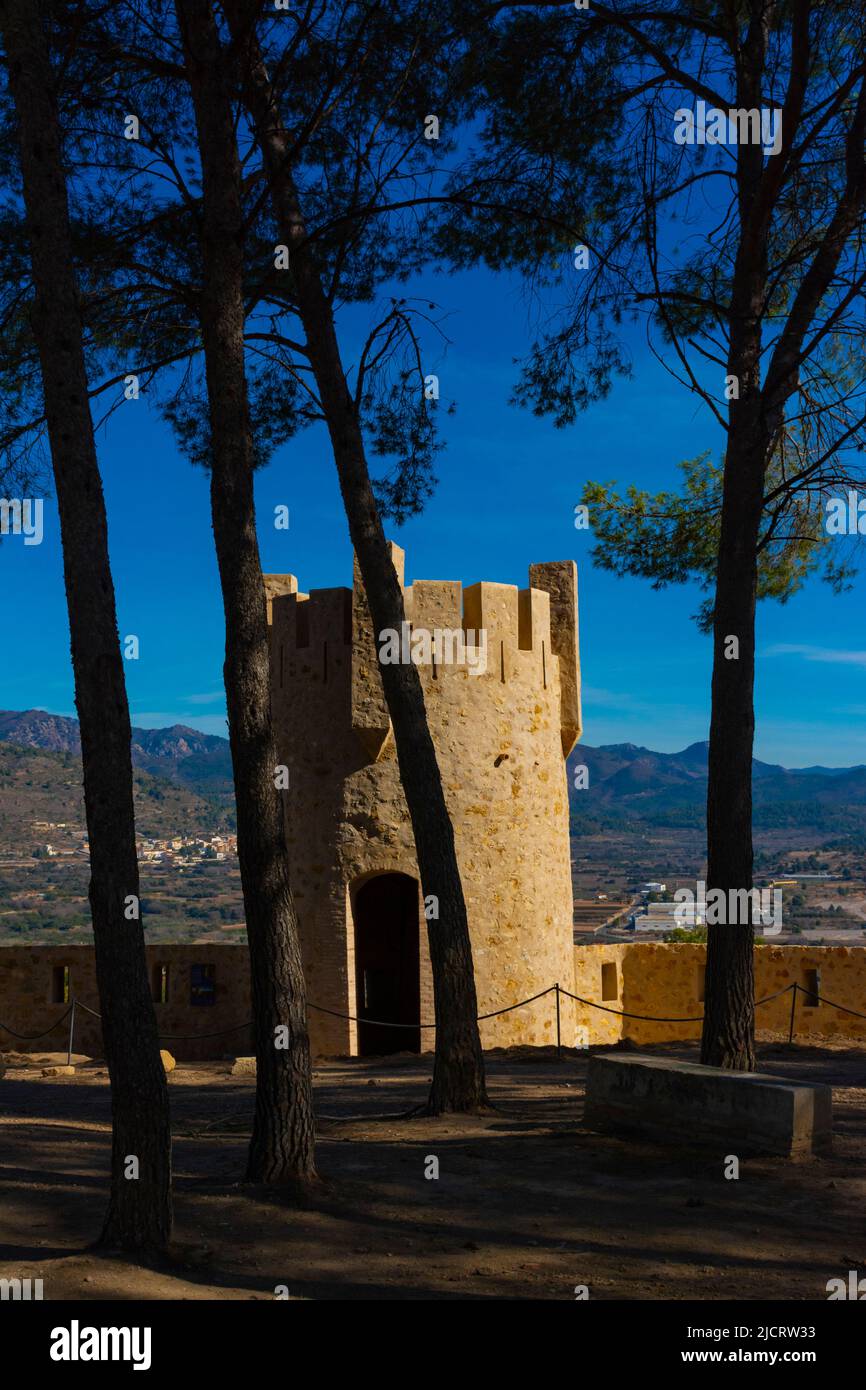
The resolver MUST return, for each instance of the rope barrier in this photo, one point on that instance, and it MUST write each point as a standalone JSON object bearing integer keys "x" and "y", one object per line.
{"x": 191, "y": 1037}
{"x": 823, "y": 1000}
{"x": 620, "y": 1013}
{"x": 88, "y": 1010}
{"x": 777, "y": 995}
{"x": 334, "y": 1013}
{"x": 179, "y": 1037}
{"x": 652, "y": 1018}
{"x": 34, "y": 1037}
{"x": 530, "y": 1000}
{"x": 382, "y": 1023}
{"x": 379, "y": 1023}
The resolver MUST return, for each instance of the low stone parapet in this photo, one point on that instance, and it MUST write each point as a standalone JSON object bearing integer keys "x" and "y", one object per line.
{"x": 685, "y": 1103}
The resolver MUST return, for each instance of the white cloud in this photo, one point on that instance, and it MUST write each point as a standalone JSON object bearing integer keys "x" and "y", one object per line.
{"x": 208, "y": 699}
{"x": 824, "y": 654}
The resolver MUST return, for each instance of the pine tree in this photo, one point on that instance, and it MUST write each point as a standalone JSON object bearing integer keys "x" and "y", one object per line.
{"x": 139, "y": 1213}
{"x": 746, "y": 260}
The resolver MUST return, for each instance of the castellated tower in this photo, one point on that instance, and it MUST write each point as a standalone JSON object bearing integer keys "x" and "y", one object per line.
{"x": 501, "y": 738}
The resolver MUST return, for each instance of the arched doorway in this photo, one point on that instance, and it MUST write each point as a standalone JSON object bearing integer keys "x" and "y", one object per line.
{"x": 387, "y": 966}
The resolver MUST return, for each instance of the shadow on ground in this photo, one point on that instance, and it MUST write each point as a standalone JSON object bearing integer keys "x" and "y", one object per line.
{"x": 527, "y": 1204}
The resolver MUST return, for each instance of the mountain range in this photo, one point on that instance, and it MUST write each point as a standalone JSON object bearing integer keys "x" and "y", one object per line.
{"x": 627, "y": 783}
{"x": 181, "y": 755}
{"x": 631, "y": 783}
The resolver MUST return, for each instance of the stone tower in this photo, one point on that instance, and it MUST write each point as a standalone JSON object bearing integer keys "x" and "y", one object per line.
{"x": 501, "y": 737}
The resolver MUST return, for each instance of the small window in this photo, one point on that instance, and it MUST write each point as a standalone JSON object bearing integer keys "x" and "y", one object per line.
{"x": 159, "y": 984}
{"x": 812, "y": 988}
{"x": 202, "y": 984}
{"x": 701, "y": 984}
{"x": 60, "y": 984}
{"x": 609, "y": 986}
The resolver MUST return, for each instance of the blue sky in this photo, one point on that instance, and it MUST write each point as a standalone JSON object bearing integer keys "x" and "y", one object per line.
{"x": 508, "y": 486}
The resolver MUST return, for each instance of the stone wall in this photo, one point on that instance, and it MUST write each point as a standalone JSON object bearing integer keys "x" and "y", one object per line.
{"x": 667, "y": 981}
{"x": 641, "y": 977}
{"x": 30, "y": 980}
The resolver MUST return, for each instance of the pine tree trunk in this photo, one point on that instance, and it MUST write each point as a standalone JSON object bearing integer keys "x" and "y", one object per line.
{"x": 729, "y": 1013}
{"x": 139, "y": 1213}
{"x": 458, "y": 1072}
{"x": 282, "y": 1149}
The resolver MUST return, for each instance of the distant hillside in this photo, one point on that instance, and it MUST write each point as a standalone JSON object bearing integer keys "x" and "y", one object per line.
{"x": 43, "y": 785}
{"x": 629, "y": 784}
{"x": 199, "y": 761}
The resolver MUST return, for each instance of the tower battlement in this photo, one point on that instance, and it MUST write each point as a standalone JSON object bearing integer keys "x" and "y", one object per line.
{"x": 485, "y": 631}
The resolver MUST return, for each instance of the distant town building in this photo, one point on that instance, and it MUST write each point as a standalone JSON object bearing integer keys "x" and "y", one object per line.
{"x": 664, "y": 917}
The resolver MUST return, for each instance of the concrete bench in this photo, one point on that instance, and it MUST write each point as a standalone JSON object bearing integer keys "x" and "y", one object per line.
{"x": 685, "y": 1103}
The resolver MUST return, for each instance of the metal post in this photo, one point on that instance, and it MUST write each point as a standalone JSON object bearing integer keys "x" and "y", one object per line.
{"x": 558, "y": 1031}
{"x": 794, "y": 989}
{"x": 71, "y": 1033}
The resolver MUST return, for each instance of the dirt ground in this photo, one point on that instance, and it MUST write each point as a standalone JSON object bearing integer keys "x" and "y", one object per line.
{"x": 528, "y": 1204}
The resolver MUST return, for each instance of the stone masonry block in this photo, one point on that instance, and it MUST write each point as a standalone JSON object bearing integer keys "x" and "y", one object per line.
{"x": 685, "y": 1103}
